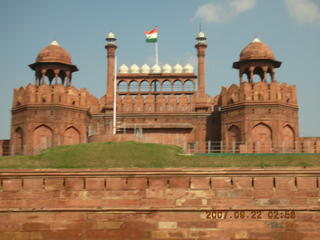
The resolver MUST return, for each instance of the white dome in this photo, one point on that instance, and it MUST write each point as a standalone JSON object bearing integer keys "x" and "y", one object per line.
{"x": 156, "y": 69}
{"x": 188, "y": 68}
{"x": 134, "y": 68}
{"x": 201, "y": 35}
{"x": 145, "y": 68}
{"x": 166, "y": 68}
{"x": 177, "y": 68}
{"x": 123, "y": 69}
{"x": 54, "y": 43}
{"x": 111, "y": 35}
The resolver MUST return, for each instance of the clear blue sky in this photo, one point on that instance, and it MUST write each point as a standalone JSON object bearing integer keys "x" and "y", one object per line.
{"x": 290, "y": 27}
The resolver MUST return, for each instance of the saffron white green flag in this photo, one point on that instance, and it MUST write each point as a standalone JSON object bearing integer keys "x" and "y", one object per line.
{"x": 152, "y": 36}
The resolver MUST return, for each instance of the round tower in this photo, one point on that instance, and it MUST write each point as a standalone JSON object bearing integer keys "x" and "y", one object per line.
{"x": 258, "y": 116}
{"x": 53, "y": 62}
{"x": 51, "y": 112}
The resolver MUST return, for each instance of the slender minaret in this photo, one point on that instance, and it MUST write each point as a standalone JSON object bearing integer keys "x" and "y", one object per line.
{"x": 111, "y": 52}
{"x": 201, "y": 48}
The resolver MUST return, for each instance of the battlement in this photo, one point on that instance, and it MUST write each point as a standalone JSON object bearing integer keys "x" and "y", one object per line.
{"x": 55, "y": 95}
{"x": 247, "y": 92}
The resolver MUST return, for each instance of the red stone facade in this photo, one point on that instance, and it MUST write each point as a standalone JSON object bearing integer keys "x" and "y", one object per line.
{"x": 141, "y": 204}
{"x": 159, "y": 105}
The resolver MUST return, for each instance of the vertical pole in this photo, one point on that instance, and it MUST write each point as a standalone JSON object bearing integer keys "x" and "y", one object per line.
{"x": 156, "y": 49}
{"x": 115, "y": 98}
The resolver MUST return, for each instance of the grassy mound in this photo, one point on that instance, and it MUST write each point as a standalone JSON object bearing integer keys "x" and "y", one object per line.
{"x": 148, "y": 155}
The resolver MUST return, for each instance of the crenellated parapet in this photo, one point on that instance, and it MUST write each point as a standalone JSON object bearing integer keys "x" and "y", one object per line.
{"x": 259, "y": 92}
{"x": 55, "y": 95}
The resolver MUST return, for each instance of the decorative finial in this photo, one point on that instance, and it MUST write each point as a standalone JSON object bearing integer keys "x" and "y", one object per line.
{"x": 111, "y": 39}
{"x": 201, "y": 38}
{"x": 256, "y": 39}
{"x": 54, "y": 43}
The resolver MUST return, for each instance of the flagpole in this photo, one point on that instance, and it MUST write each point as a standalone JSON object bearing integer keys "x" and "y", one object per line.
{"x": 115, "y": 98}
{"x": 156, "y": 49}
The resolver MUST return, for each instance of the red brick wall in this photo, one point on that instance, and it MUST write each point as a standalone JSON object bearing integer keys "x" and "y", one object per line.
{"x": 160, "y": 204}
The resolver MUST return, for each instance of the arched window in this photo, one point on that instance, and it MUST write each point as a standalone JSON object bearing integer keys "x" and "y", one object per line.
{"x": 144, "y": 86}
{"x": 288, "y": 139}
{"x": 177, "y": 86}
{"x": 122, "y": 86}
{"x": 155, "y": 86}
{"x": 133, "y": 86}
{"x": 261, "y": 135}
{"x": 188, "y": 86}
{"x": 230, "y": 101}
{"x": 42, "y": 137}
{"x": 234, "y": 138}
{"x": 19, "y": 141}
{"x": 166, "y": 86}
{"x": 71, "y": 136}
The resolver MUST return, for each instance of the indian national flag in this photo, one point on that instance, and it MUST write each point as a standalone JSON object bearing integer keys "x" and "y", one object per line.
{"x": 152, "y": 35}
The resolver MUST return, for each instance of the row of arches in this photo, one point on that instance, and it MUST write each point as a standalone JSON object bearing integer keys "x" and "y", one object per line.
{"x": 261, "y": 138}
{"x": 156, "y": 86}
{"x": 43, "y": 138}
{"x": 161, "y": 103}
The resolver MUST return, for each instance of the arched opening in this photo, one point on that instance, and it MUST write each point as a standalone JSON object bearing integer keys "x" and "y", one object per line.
{"x": 42, "y": 137}
{"x": 288, "y": 139}
{"x": 177, "y": 86}
{"x": 155, "y": 86}
{"x": 258, "y": 74}
{"x": 19, "y": 141}
{"x": 144, "y": 86}
{"x": 188, "y": 86}
{"x": 230, "y": 101}
{"x": 122, "y": 86}
{"x": 166, "y": 86}
{"x": 234, "y": 138}
{"x": 71, "y": 136}
{"x": 261, "y": 136}
{"x": 133, "y": 86}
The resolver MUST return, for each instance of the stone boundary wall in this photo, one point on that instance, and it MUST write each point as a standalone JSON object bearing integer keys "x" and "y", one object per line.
{"x": 199, "y": 204}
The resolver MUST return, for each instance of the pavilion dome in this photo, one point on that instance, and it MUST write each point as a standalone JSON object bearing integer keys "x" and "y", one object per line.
{"x": 123, "y": 68}
{"x": 166, "y": 68}
{"x": 156, "y": 69}
{"x": 134, "y": 68}
{"x": 54, "y": 53}
{"x": 256, "y": 50}
{"x": 145, "y": 68}
{"x": 188, "y": 68}
{"x": 177, "y": 68}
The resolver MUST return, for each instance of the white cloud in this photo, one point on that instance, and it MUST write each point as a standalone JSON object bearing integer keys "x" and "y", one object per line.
{"x": 304, "y": 11}
{"x": 222, "y": 12}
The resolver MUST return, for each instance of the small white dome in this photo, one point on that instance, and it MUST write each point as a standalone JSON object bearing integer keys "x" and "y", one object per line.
{"x": 156, "y": 69}
{"x": 167, "y": 68}
{"x": 54, "y": 43}
{"x": 111, "y": 35}
{"x": 177, "y": 68}
{"x": 188, "y": 68}
{"x": 201, "y": 35}
{"x": 134, "y": 68}
{"x": 123, "y": 69}
{"x": 145, "y": 68}
{"x": 256, "y": 39}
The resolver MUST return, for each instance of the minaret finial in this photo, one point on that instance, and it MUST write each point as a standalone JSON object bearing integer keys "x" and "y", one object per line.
{"x": 256, "y": 39}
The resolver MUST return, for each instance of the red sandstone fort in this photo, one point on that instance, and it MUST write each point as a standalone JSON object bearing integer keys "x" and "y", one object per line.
{"x": 159, "y": 104}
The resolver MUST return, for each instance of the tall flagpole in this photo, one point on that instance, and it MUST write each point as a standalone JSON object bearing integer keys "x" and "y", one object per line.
{"x": 156, "y": 49}
{"x": 115, "y": 98}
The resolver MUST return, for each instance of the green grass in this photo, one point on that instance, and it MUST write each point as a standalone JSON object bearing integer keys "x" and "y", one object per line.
{"x": 148, "y": 155}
